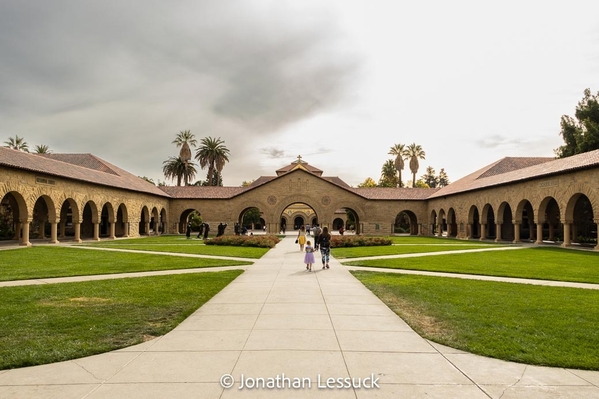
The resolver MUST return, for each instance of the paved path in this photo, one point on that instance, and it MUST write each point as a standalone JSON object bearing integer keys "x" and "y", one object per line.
{"x": 277, "y": 320}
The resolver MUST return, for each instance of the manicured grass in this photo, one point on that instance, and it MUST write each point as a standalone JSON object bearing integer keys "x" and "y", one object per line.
{"x": 179, "y": 244}
{"x": 48, "y": 261}
{"x": 414, "y": 240}
{"x": 56, "y": 322}
{"x": 399, "y": 249}
{"x": 539, "y": 325}
{"x": 536, "y": 263}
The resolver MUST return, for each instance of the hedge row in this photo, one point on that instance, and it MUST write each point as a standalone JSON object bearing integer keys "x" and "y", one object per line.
{"x": 358, "y": 241}
{"x": 266, "y": 241}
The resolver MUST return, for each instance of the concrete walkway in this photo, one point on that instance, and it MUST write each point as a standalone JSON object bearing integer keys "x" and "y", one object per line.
{"x": 279, "y": 323}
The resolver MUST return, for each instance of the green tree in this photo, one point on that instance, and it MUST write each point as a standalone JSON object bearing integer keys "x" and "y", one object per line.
{"x": 429, "y": 177}
{"x": 368, "y": 183}
{"x": 581, "y": 134}
{"x": 414, "y": 152}
{"x": 213, "y": 154}
{"x": 42, "y": 149}
{"x": 443, "y": 179}
{"x": 388, "y": 175}
{"x": 399, "y": 151}
{"x": 174, "y": 168}
{"x": 251, "y": 217}
{"x": 17, "y": 143}
{"x": 149, "y": 180}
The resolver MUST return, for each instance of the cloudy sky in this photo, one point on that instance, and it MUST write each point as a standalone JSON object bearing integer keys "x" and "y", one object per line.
{"x": 338, "y": 82}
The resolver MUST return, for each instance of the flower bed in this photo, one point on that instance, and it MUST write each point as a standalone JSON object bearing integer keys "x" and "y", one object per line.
{"x": 267, "y": 241}
{"x": 358, "y": 241}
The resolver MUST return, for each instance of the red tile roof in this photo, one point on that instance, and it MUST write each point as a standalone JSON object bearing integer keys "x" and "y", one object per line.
{"x": 390, "y": 193}
{"x": 82, "y": 167}
{"x": 202, "y": 192}
{"x": 483, "y": 178}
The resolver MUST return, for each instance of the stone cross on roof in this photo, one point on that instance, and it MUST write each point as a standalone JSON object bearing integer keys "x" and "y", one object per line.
{"x": 299, "y": 159}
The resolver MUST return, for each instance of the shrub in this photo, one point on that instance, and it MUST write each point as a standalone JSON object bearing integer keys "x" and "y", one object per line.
{"x": 358, "y": 241}
{"x": 267, "y": 241}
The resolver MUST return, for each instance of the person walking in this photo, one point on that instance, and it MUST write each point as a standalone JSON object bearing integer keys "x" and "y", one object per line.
{"x": 301, "y": 237}
{"x": 309, "y": 257}
{"x": 316, "y": 231}
{"x": 201, "y": 230}
{"x": 324, "y": 244}
{"x": 188, "y": 232}
{"x": 206, "y": 230}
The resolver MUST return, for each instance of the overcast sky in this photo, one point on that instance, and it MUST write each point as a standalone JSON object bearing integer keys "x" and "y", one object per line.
{"x": 338, "y": 82}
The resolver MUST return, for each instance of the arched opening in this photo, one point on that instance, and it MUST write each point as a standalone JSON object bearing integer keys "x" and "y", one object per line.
{"x": 163, "y": 221}
{"x": 298, "y": 214}
{"x": 452, "y": 226}
{"x": 40, "y": 224}
{"x": 121, "y": 228}
{"x": 488, "y": 220}
{"x": 442, "y": 223}
{"x": 144, "y": 221}
{"x": 405, "y": 223}
{"x": 552, "y": 230}
{"x": 433, "y": 223}
{"x": 474, "y": 222}
{"x": 90, "y": 217}
{"x": 580, "y": 212}
{"x": 194, "y": 217}
{"x": 251, "y": 219}
{"x": 505, "y": 218}
{"x": 106, "y": 220}
{"x": 12, "y": 207}
{"x": 525, "y": 215}
{"x": 69, "y": 216}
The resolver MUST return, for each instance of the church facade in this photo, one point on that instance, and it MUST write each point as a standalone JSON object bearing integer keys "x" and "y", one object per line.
{"x": 55, "y": 197}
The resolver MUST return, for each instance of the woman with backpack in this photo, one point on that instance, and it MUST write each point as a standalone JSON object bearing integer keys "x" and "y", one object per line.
{"x": 324, "y": 243}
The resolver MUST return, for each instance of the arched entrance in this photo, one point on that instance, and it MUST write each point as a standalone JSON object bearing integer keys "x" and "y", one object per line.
{"x": 580, "y": 221}
{"x": 474, "y": 223}
{"x": 549, "y": 228}
{"x": 406, "y": 223}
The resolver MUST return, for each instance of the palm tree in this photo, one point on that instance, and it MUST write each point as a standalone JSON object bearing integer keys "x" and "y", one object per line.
{"x": 184, "y": 139}
{"x": 174, "y": 168}
{"x": 414, "y": 152}
{"x": 388, "y": 176}
{"x": 18, "y": 143}
{"x": 213, "y": 154}
{"x": 42, "y": 149}
{"x": 399, "y": 151}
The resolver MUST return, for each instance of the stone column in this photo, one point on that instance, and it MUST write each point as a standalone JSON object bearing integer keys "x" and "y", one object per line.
{"x": 112, "y": 229}
{"x": 440, "y": 229}
{"x": 483, "y": 231}
{"x": 77, "y": 226}
{"x": 54, "y": 233}
{"x": 498, "y": 232}
{"x": 419, "y": 229}
{"x": 147, "y": 228}
{"x": 25, "y": 234}
{"x": 97, "y": 231}
{"x": 567, "y": 240}
{"x": 516, "y": 232}
{"x": 126, "y": 228}
{"x": 539, "y": 233}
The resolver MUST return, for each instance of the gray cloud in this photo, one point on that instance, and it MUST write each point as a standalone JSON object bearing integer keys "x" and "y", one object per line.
{"x": 499, "y": 141}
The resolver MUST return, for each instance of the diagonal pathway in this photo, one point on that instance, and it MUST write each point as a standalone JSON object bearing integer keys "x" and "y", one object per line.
{"x": 279, "y": 324}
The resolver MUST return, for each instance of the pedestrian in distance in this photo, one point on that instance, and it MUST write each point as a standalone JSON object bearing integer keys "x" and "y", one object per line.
{"x": 324, "y": 244}
{"x": 316, "y": 231}
{"x": 301, "y": 237}
{"x": 188, "y": 231}
{"x": 206, "y": 231}
{"x": 201, "y": 230}
{"x": 309, "y": 257}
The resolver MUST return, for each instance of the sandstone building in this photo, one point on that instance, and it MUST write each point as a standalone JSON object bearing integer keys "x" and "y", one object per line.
{"x": 80, "y": 196}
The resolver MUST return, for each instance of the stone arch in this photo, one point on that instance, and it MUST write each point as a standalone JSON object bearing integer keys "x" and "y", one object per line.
{"x": 144, "y": 221}
{"x": 163, "y": 221}
{"x": 442, "y": 222}
{"x": 549, "y": 220}
{"x": 69, "y": 219}
{"x": 406, "y": 221}
{"x": 488, "y": 229}
{"x": 14, "y": 211}
{"x": 90, "y": 220}
{"x": 251, "y": 221}
{"x": 433, "y": 223}
{"x": 154, "y": 221}
{"x": 580, "y": 224}
{"x": 525, "y": 228}
{"x": 504, "y": 222}
{"x": 43, "y": 218}
{"x": 452, "y": 225}
{"x": 122, "y": 221}
{"x": 474, "y": 225}
{"x": 107, "y": 219}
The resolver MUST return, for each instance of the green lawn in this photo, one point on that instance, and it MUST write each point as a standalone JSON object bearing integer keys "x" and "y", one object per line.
{"x": 49, "y": 261}
{"x": 179, "y": 244}
{"x": 414, "y": 240}
{"x": 537, "y": 263}
{"x": 56, "y": 322}
{"x": 399, "y": 249}
{"x": 539, "y": 325}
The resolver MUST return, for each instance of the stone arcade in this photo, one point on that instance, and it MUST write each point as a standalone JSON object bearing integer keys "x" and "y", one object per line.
{"x": 80, "y": 196}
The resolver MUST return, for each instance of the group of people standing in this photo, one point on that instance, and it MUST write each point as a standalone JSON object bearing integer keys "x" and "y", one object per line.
{"x": 322, "y": 243}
